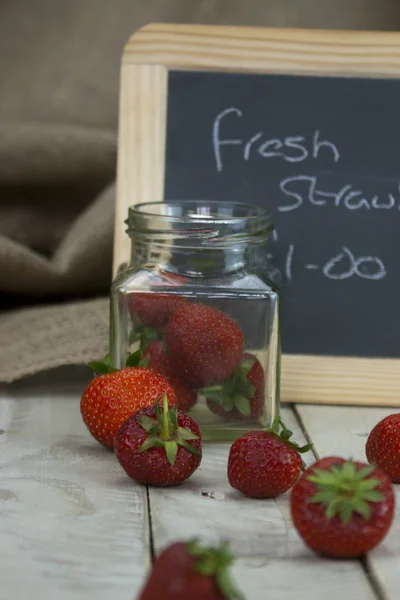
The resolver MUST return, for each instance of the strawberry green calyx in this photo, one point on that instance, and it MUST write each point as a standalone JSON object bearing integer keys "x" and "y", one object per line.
{"x": 163, "y": 431}
{"x": 279, "y": 429}
{"x": 236, "y": 391}
{"x": 144, "y": 335}
{"x": 133, "y": 360}
{"x": 344, "y": 490}
{"x": 215, "y": 562}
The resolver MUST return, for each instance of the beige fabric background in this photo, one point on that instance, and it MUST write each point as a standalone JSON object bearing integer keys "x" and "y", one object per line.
{"x": 59, "y": 63}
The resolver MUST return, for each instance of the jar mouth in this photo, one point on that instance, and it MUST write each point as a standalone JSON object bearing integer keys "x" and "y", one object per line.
{"x": 206, "y": 222}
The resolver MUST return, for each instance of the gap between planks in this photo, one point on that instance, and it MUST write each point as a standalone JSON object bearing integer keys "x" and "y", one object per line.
{"x": 343, "y": 430}
{"x": 268, "y": 549}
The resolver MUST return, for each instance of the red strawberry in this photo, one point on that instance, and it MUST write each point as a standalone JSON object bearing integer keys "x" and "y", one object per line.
{"x": 383, "y": 446}
{"x": 264, "y": 464}
{"x": 204, "y": 343}
{"x": 342, "y": 508}
{"x": 153, "y": 446}
{"x": 111, "y": 398}
{"x": 153, "y": 309}
{"x": 160, "y": 362}
{"x": 241, "y": 396}
{"x": 185, "y": 570}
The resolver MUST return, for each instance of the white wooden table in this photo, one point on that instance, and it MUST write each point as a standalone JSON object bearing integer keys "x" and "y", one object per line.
{"x": 73, "y": 526}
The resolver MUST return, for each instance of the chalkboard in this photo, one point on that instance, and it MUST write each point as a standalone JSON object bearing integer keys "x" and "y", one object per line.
{"x": 323, "y": 155}
{"x": 306, "y": 123}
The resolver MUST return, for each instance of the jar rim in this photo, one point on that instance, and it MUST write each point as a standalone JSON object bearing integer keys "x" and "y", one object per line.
{"x": 250, "y": 211}
{"x": 210, "y": 222}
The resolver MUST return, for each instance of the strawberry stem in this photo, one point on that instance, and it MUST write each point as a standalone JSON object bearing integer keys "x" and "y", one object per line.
{"x": 163, "y": 431}
{"x": 279, "y": 429}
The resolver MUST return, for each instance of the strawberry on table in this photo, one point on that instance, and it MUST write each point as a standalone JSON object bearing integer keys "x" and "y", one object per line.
{"x": 154, "y": 310}
{"x": 383, "y": 446}
{"x": 204, "y": 343}
{"x": 159, "y": 447}
{"x": 241, "y": 396}
{"x": 188, "y": 571}
{"x": 265, "y": 463}
{"x": 342, "y": 508}
{"x": 114, "y": 395}
{"x": 161, "y": 362}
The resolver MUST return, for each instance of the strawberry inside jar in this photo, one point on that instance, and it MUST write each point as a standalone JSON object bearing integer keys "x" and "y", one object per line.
{"x": 197, "y": 301}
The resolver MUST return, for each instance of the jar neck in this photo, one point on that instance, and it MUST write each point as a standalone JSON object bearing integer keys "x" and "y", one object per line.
{"x": 197, "y": 238}
{"x": 191, "y": 261}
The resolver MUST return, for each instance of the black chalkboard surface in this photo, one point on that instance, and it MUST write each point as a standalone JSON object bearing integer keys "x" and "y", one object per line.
{"x": 323, "y": 154}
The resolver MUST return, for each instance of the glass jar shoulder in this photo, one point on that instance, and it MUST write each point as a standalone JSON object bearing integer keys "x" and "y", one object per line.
{"x": 154, "y": 279}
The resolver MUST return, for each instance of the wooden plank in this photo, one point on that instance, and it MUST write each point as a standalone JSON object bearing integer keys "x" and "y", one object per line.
{"x": 72, "y": 525}
{"x": 272, "y": 557}
{"x": 156, "y": 48}
{"x": 343, "y": 431}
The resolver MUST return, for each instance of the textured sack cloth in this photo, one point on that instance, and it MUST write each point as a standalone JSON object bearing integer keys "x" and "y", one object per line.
{"x": 59, "y": 67}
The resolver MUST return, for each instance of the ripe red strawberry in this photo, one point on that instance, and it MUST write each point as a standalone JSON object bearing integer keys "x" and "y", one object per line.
{"x": 264, "y": 464}
{"x": 204, "y": 343}
{"x": 342, "y": 508}
{"x": 383, "y": 446}
{"x": 112, "y": 397}
{"x": 185, "y": 570}
{"x": 159, "y": 447}
{"x": 153, "y": 309}
{"x": 241, "y": 396}
{"x": 160, "y": 362}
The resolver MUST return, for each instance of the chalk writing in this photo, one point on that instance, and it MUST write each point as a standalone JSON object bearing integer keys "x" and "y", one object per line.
{"x": 303, "y": 188}
{"x": 293, "y": 149}
{"x": 340, "y": 266}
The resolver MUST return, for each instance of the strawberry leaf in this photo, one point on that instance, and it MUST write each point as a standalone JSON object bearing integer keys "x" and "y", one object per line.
{"x": 107, "y": 360}
{"x": 186, "y": 434}
{"x": 188, "y": 447}
{"x": 171, "y": 449}
{"x": 148, "y": 423}
{"x": 373, "y": 496}
{"x": 215, "y": 562}
{"x": 144, "y": 362}
{"x": 242, "y": 404}
{"x": 364, "y": 471}
{"x": 227, "y": 587}
{"x": 369, "y": 484}
{"x": 150, "y": 443}
{"x": 363, "y": 508}
{"x": 246, "y": 366}
{"x": 173, "y": 417}
{"x": 286, "y": 434}
{"x": 345, "y": 509}
{"x": 134, "y": 359}
{"x": 100, "y": 368}
{"x": 305, "y": 448}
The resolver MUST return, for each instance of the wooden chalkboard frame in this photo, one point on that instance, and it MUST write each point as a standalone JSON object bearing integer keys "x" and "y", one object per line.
{"x": 157, "y": 48}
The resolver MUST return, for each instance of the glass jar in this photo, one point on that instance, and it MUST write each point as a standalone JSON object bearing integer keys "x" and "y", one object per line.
{"x": 198, "y": 301}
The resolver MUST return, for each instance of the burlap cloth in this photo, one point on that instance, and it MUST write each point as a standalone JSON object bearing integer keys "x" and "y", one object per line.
{"x": 59, "y": 63}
